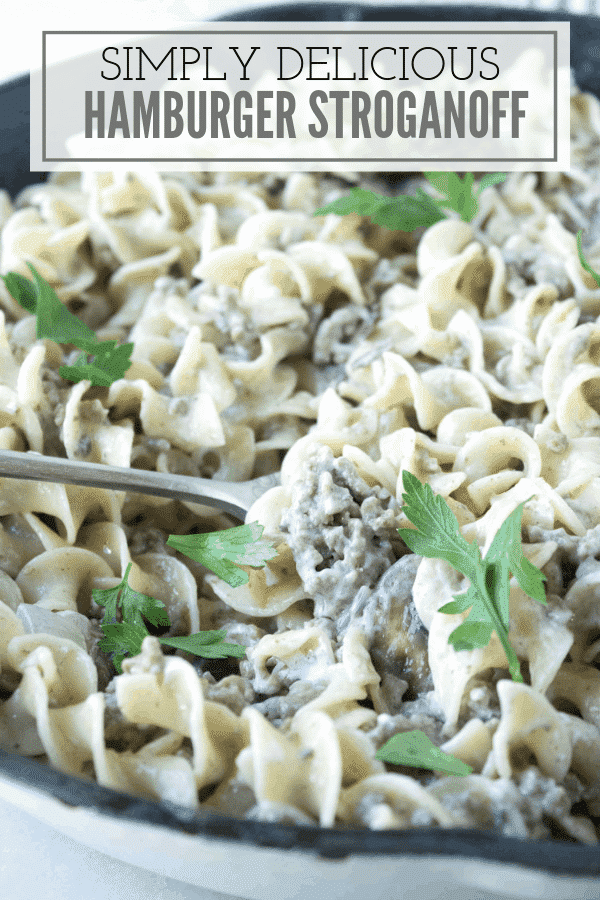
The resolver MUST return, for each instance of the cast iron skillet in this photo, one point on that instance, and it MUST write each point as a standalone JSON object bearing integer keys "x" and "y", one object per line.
{"x": 558, "y": 857}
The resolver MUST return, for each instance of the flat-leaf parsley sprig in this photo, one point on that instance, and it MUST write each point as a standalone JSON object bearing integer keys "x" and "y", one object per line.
{"x": 219, "y": 551}
{"x": 438, "y": 536}
{"x": 124, "y": 638}
{"x": 108, "y": 362}
{"x": 406, "y": 212}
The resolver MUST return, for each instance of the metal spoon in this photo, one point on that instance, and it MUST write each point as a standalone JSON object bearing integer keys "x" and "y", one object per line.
{"x": 232, "y": 497}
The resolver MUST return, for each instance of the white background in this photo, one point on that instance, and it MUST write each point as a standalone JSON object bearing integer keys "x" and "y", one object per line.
{"x": 37, "y": 863}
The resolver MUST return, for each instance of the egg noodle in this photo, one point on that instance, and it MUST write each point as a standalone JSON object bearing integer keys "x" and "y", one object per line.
{"x": 342, "y": 353}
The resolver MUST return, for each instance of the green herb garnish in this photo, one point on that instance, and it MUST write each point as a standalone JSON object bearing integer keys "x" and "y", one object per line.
{"x": 219, "y": 550}
{"x": 584, "y": 262}
{"x": 124, "y": 638}
{"x": 398, "y": 214}
{"x": 438, "y": 536}
{"x": 108, "y": 362}
{"x": 414, "y": 748}
{"x": 405, "y": 213}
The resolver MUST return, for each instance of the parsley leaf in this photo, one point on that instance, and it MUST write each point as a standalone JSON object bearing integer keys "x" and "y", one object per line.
{"x": 438, "y": 536}
{"x": 124, "y": 638}
{"x": 414, "y": 748}
{"x": 584, "y": 262}
{"x": 108, "y": 364}
{"x": 490, "y": 179}
{"x": 506, "y": 549}
{"x": 219, "y": 550}
{"x": 208, "y": 644}
{"x": 22, "y": 290}
{"x": 402, "y": 213}
{"x": 55, "y": 322}
{"x": 405, "y": 213}
{"x": 458, "y": 192}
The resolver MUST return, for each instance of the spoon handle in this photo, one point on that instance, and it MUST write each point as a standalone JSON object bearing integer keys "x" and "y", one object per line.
{"x": 232, "y": 497}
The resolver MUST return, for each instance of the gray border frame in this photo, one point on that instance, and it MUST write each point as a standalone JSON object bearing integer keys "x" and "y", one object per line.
{"x": 238, "y": 159}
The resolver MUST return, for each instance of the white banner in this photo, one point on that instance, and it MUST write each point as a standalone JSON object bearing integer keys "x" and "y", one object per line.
{"x": 341, "y": 96}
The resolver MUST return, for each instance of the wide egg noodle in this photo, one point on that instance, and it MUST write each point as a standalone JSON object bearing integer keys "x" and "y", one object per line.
{"x": 168, "y": 692}
{"x": 88, "y": 434}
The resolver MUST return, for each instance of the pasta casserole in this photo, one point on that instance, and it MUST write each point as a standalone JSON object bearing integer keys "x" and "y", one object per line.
{"x": 343, "y": 354}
